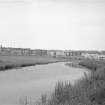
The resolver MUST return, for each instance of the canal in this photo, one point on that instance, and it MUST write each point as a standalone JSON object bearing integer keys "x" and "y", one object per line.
{"x": 33, "y": 81}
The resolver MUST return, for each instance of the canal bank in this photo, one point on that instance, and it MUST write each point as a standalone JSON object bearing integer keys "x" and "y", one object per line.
{"x": 34, "y": 81}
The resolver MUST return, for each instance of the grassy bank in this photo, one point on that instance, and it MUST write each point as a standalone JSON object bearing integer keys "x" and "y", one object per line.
{"x": 90, "y": 90}
{"x": 10, "y": 62}
{"x": 92, "y": 64}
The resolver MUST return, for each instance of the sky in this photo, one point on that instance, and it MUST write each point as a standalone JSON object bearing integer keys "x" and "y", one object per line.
{"x": 53, "y": 24}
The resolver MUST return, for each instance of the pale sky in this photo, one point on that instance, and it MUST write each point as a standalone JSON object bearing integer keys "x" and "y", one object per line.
{"x": 53, "y": 24}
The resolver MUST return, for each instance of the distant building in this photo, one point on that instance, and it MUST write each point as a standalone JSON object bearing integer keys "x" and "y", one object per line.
{"x": 73, "y": 53}
{"x": 94, "y": 56}
{"x": 15, "y": 51}
{"x": 60, "y": 53}
{"x": 4, "y": 51}
{"x": 33, "y": 52}
{"x": 51, "y": 53}
{"x": 102, "y": 57}
{"x": 41, "y": 52}
{"x": 26, "y": 51}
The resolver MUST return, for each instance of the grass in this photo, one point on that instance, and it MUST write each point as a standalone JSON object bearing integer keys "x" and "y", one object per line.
{"x": 10, "y": 62}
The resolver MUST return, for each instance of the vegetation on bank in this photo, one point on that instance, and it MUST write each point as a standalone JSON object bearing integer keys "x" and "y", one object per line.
{"x": 10, "y": 62}
{"x": 90, "y": 90}
{"x": 93, "y": 64}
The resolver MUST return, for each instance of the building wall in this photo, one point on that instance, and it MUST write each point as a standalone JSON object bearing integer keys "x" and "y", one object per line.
{"x": 51, "y": 53}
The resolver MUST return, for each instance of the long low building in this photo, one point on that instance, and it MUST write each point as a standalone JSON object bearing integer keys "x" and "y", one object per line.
{"x": 94, "y": 56}
{"x": 53, "y": 53}
{"x": 21, "y": 51}
{"x": 64, "y": 53}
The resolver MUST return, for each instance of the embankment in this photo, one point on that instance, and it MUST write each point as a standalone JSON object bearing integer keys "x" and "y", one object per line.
{"x": 10, "y": 62}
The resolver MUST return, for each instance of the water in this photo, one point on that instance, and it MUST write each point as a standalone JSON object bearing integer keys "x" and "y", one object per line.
{"x": 33, "y": 81}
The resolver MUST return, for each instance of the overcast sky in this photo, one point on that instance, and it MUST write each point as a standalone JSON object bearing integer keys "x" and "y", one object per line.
{"x": 53, "y": 24}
